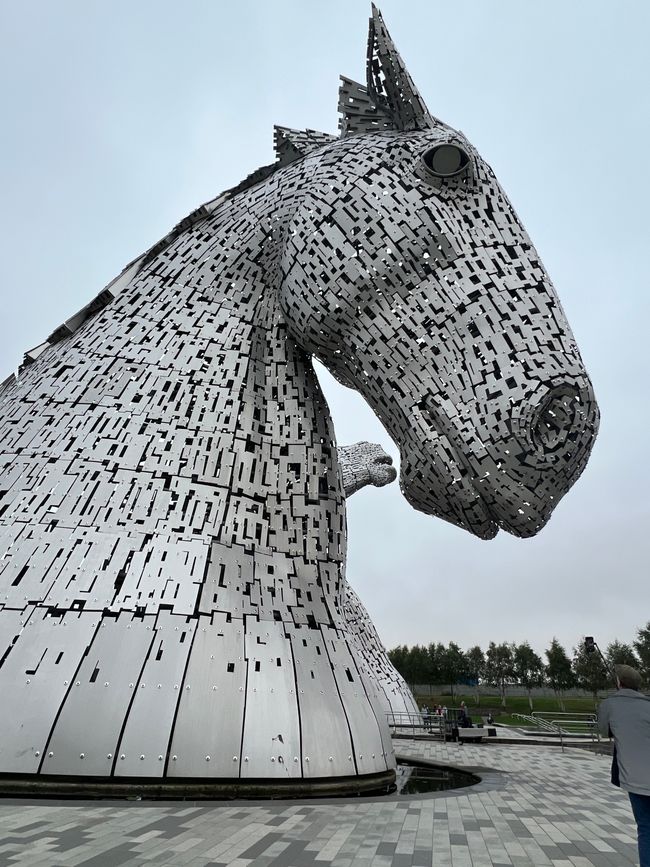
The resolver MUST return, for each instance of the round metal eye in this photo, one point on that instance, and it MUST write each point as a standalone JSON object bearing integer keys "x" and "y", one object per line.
{"x": 445, "y": 160}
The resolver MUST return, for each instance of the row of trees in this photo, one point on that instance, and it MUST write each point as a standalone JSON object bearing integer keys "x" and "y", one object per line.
{"x": 507, "y": 664}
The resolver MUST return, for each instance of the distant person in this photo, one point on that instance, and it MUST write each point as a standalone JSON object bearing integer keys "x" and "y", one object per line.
{"x": 625, "y": 716}
{"x": 464, "y": 719}
{"x": 490, "y": 719}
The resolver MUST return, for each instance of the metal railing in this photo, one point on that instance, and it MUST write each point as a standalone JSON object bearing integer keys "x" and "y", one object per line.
{"x": 432, "y": 726}
{"x": 577, "y": 728}
{"x": 540, "y": 723}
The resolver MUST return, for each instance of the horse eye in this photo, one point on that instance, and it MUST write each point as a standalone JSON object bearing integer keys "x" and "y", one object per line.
{"x": 445, "y": 160}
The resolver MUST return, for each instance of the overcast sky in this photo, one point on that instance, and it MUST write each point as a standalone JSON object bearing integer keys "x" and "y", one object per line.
{"x": 119, "y": 118}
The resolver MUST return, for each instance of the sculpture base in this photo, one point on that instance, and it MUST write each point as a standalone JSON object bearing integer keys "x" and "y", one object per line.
{"x": 153, "y": 788}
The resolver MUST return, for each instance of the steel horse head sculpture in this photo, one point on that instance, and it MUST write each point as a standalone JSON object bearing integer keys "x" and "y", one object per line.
{"x": 172, "y": 510}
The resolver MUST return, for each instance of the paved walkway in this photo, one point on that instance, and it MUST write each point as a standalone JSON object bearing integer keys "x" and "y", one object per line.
{"x": 543, "y": 808}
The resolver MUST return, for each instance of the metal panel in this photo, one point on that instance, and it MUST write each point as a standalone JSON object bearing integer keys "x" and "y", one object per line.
{"x": 366, "y": 736}
{"x": 87, "y": 731}
{"x": 326, "y": 745}
{"x": 272, "y": 750}
{"x": 208, "y": 730}
{"x": 142, "y": 750}
{"x": 34, "y": 681}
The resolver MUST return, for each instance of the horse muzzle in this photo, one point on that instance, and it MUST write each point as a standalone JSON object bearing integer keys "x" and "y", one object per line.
{"x": 501, "y": 466}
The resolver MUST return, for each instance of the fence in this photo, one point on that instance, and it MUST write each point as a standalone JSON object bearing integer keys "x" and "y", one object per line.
{"x": 514, "y": 689}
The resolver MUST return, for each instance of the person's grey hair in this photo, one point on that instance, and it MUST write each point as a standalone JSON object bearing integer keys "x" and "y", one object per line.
{"x": 628, "y": 677}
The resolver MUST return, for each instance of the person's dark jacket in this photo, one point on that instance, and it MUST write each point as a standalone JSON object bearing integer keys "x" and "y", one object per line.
{"x": 627, "y": 715}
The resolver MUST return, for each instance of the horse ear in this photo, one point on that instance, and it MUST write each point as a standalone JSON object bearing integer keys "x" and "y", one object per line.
{"x": 292, "y": 144}
{"x": 390, "y": 100}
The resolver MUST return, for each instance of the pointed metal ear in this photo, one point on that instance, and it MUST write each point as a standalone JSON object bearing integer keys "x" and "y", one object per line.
{"x": 390, "y": 86}
{"x": 292, "y": 144}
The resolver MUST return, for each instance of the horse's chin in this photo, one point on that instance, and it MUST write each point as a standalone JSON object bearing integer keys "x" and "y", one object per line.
{"x": 465, "y": 508}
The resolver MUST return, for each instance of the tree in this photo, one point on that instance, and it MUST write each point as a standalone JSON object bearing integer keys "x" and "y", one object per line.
{"x": 475, "y": 664}
{"x": 642, "y": 645}
{"x": 528, "y": 668}
{"x": 453, "y": 666}
{"x": 498, "y": 667}
{"x": 589, "y": 670}
{"x": 436, "y": 662}
{"x": 621, "y": 654}
{"x": 558, "y": 670}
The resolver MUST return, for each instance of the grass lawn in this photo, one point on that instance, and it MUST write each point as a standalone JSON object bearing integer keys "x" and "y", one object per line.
{"x": 514, "y": 704}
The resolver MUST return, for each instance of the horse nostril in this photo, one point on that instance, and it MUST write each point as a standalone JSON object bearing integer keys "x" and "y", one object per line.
{"x": 559, "y": 419}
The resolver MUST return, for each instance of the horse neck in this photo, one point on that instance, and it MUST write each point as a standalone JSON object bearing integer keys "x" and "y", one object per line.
{"x": 263, "y": 437}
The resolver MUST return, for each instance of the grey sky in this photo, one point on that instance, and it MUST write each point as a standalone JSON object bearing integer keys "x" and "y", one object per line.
{"x": 119, "y": 118}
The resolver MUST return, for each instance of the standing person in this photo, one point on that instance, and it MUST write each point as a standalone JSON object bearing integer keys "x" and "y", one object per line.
{"x": 626, "y": 715}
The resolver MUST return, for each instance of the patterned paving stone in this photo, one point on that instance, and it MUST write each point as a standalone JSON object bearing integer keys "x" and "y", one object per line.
{"x": 545, "y": 809}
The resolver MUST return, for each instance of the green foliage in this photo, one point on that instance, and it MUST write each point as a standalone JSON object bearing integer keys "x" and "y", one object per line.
{"x": 559, "y": 673}
{"x": 621, "y": 654}
{"x": 453, "y": 666}
{"x": 499, "y": 667}
{"x": 589, "y": 670}
{"x": 642, "y": 646}
{"x": 528, "y": 668}
{"x": 475, "y": 663}
{"x": 505, "y": 663}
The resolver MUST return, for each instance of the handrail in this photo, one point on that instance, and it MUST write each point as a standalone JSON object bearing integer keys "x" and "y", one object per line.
{"x": 433, "y": 725}
{"x": 554, "y": 714}
{"x": 588, "y": 726}
{"x": 540, "y": 722}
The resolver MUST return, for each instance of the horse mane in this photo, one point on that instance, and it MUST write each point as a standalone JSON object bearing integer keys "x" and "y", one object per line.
{"x": 290, "y": 145}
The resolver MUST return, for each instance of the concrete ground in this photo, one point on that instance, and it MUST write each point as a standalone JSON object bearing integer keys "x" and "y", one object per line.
{"x": 536, "y": 807}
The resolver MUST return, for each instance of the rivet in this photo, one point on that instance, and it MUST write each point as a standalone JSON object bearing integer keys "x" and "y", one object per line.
{"x": 349, "y": 758}
{"x": 373, "y": 755}
{"x": 245, "y": 758}
{"x": 37, "y": 754}
{"x": 272, "y": 758}
{"x": 207, "y": 758}
{"x": 28, "y": 681}
{"x": 306, "y": 758}
{"x": 106, "y": 683}
{"x": 295, "y": 758}
{"x": 50, "y": 754}
{"x": 78, "y": 683}
{"x": 141, "y": 758}
{"x": 174, "y": 757}
{"x": 331, "y": 759}
{"x": 81, "y": 755}
{"x": 160, "y": 758}
{"x": 109, "y": 756}
{"x": 122, "y": 757}
{"x": 159, "y": 685}
{"x": 130, "y": 686}
{"x": 188, "y": 686}
{"x": 175, "y": 686}
{"x": 234, "y": 758}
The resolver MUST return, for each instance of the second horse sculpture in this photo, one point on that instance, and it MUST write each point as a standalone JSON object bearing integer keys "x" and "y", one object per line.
{"x": 172, "y": 512}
